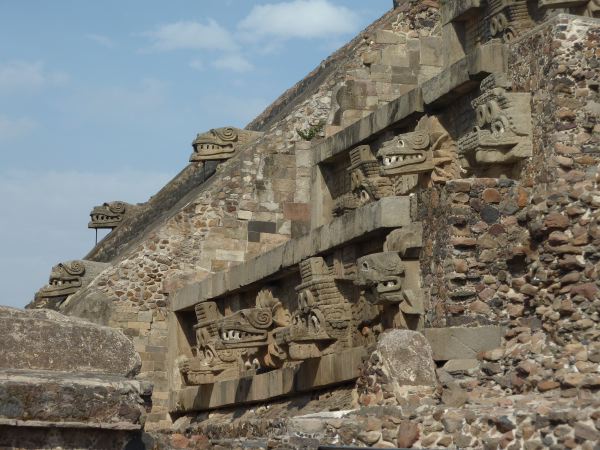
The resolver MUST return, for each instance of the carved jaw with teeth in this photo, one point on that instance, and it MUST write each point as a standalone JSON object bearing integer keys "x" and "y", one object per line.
{"x": 65, "y": 279}
{"x": 406, "y": 154}
{"x": 493, "y": 147}
{"x": 383, "y": 274}
{"x": 231, "y": 338}
{"x": 218, "y": 143}
{"x": 109, "y": 215}
{"x": 245, "y": 328}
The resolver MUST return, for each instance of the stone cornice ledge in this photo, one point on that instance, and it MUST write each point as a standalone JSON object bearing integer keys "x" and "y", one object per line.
{"x": 460, "y": 77}
{"x": 389, "y": 212}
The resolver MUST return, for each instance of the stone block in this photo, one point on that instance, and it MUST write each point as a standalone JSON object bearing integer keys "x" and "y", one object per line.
{"x": 407, "y": 358}
{"x": 462, "y": 342}
{"x": 404, "y": 75}
{"x": 461, "y": 366}
{"x": 296, "y": 211}
{"x": 261, "y": 226}
{"x": 244, "y": 215}
{"x": 47, "y": 340}
{"x": 395, "y": 56}
{"x": 230, "y": 255}
{"x": 370, "y": 57}
{"x": 381, "y": 73}
{"x": 432, "y": 49}
{"x": 389, "y": 37}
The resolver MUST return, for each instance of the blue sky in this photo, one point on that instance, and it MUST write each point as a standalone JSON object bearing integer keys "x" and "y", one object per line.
{"x": 100, "y": 101}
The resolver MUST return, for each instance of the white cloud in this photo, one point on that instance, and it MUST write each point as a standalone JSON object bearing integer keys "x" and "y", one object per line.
{"x": 23, "y": 76}
{"x": 100, "y": 39}
{"x": 304, "y": 19}
{"x": 191, "y": 35}
{"x": 49, "y": 216}
{"x": 15, "y": 128}
{"x": 233, "y": 62}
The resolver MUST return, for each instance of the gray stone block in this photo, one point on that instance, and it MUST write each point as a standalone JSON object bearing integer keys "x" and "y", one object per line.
{"x": 462, "y": 343}
{"x": 389, "y": 37}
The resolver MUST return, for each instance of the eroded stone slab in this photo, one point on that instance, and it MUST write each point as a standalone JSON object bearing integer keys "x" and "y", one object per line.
{"x": 42, "y": 398}
{"x": 47, "y": 340}
{"x": 462, "y": 342}
{"x": 311, "y": 374}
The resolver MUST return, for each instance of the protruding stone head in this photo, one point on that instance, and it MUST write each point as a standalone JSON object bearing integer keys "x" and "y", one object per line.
{"x": 407, "y": 153}
{"x": 384, "y": 274}
{"x": 108, "y": 215}
{"x": 65, "y": 279}
{"x": 220, "y": 143}
{"x": 503, "y": 126}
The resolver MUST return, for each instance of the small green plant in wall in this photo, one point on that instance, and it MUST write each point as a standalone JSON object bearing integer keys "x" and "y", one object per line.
{"x": 310, "y": 133}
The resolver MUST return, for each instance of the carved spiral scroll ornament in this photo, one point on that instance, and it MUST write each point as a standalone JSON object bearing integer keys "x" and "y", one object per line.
{"x": 74, "y": 268}
{"x": 226, "y": 134}
{"x": 259, "y": 318}
{"x": 419, "y": 140}
{"x": 117, "y": 207}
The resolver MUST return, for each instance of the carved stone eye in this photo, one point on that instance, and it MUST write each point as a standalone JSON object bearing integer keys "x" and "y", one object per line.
{"x": 493, "y": 110}
{"x": 482, "y": 116}
{"x": 401, "y": 142}
{"x": 365, "y": 265}
{"x": 364, "y": 195}
{"x": 499, "y": 126}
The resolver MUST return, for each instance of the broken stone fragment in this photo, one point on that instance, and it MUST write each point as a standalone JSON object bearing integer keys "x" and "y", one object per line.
{"x": 407, "y": 358}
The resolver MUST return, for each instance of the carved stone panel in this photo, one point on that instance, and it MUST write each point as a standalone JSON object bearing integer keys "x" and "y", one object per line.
{"x": 322, "y": 323}
{"x": 500, "y": 20}
{"x": 220, "y": 143}
{"x": 236, "y": 344}
{"x": 332, "y": 304}
{"x": 396, "y": 167}
{"x": 502, "y": 132}
{"x": 110, "y": 215}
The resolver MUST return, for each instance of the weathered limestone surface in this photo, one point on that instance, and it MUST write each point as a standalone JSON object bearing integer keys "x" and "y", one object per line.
{"x": 47, "y": 340}
{"x": 69, "y": 399}
{"x": 59, "y": 371}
